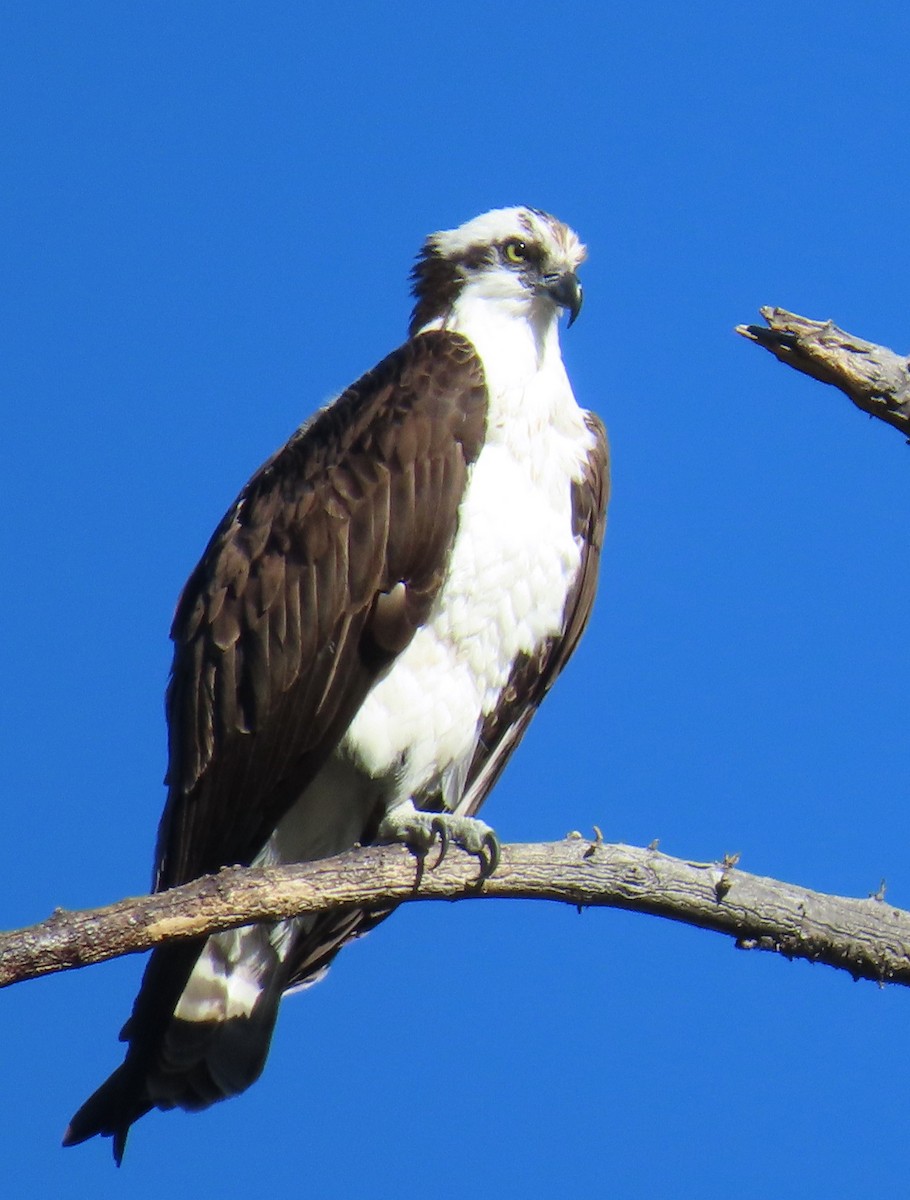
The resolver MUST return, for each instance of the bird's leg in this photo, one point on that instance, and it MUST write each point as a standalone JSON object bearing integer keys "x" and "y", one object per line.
{"x": 419, "y": 830}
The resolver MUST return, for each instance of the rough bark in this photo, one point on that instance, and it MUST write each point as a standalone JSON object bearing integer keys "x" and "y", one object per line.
{"x": 875, "y": 378}
{"x": 869, "y": 938}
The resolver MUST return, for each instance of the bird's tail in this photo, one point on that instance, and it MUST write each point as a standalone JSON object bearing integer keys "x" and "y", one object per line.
{"x": 199, "y": 1032}
{"x": 110, "y": 1111}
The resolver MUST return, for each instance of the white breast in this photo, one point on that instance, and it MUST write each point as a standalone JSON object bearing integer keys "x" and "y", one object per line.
{"x": 513, "y": 561}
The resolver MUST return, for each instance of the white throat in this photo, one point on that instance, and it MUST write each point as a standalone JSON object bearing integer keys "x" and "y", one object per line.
{"x": 517, "y": 339}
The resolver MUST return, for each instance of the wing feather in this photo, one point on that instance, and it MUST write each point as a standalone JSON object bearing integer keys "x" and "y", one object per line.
{"x": 287, "y": 619}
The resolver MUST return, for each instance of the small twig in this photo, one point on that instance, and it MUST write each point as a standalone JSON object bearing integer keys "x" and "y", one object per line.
{"x": 875, "y": 378}
{"x": 868, "y": 938}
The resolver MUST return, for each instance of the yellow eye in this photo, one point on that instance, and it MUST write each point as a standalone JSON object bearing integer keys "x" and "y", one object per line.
{"x": 515, "y": 252}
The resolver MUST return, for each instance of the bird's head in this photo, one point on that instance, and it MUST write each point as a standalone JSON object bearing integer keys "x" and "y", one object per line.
{"x": 521, "y": 258}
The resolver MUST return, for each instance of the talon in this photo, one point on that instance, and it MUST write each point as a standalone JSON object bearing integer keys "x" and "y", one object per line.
{"x": 439, "y": 830}
{"x": 491, "y": 862}
{"x": 420, "y": 857}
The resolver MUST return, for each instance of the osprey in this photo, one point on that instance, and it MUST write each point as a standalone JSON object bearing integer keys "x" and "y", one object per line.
{"x": 366, "y": 638}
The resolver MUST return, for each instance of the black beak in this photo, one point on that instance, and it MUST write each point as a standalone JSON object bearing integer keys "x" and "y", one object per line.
{"x": 566, "y": 291}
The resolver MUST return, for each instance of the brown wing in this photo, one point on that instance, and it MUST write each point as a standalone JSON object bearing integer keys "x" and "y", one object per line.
{"x": 316, "y": 579}
{"x": 534, "y": 675}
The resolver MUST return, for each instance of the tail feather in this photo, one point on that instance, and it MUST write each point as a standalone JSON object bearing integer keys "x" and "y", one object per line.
{"x": 203, "y": 1020}
{"x": 110, "y": 1111}
{"x": 199, "y": 1033}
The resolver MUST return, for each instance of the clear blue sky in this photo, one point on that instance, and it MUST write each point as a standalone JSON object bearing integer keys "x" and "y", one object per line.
{"x": 207, "y": 217}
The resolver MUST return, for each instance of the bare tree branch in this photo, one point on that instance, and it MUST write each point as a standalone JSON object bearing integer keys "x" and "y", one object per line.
{"x": 875, "y": 378}
{"x": 869, "y": 938}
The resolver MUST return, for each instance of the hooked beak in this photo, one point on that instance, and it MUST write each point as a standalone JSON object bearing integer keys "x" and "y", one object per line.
{"x": 565, "y": 290}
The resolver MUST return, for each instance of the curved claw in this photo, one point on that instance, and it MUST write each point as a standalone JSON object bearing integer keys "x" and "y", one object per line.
{"x": 439, "y": 829}
{"x": 491, "y": 861}
{"x": 420, "y": 857}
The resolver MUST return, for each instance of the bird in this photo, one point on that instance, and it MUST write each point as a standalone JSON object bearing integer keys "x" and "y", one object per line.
{"x": 366, "y": 638}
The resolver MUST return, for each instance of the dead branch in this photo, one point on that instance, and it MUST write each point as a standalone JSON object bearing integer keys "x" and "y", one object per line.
{"x": 875, "y": 378}
{"x": 869, "y": 938}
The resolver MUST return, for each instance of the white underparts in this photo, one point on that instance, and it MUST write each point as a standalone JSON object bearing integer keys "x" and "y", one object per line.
{"x": 512, "y": 564}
